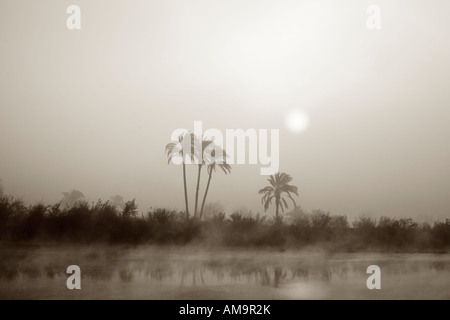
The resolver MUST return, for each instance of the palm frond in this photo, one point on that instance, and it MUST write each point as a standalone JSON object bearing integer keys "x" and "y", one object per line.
{"x": 266, "y": 189}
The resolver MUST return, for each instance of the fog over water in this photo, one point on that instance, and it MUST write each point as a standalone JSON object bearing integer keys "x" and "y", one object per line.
{"x": 194, "y": 273}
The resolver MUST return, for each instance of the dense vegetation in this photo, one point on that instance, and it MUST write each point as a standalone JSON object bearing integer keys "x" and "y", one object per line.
{"x": 105, "y": 222}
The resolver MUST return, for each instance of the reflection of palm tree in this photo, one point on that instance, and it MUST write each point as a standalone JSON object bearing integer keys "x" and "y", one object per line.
{"x": 173, "y": 149}
{"x": 279, "y": 185}
{"x": 72, "y": 198}
{"x": 226, "y": 168}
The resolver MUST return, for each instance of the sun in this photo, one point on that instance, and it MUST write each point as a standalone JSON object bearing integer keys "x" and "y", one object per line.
{"x": 297, "y": 121}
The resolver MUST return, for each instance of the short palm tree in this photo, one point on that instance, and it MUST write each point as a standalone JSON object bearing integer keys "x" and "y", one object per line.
{"x": 279, "y": 186}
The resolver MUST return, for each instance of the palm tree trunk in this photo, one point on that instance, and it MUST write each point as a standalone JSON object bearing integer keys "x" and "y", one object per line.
{"x": 185, "y": 191}
{"x": 206, "y": 193}
{"x": 277, "y": 203}
{"x": 196, "y": 192}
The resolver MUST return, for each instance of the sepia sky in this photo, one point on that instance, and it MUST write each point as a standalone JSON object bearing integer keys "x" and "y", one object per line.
{"x": 93, "y": 109}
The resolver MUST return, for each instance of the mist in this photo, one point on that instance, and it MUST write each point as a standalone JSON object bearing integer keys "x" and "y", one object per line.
{"x": 93, "y": 109}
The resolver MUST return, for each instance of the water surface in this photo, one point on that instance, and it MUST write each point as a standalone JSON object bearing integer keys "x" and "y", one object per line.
{"x": 193, "y": 273}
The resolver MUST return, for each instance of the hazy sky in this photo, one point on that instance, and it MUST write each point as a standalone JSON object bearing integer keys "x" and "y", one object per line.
{"x": 93, "y": 109}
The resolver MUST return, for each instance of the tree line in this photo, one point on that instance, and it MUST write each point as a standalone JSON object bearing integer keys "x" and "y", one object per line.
{"x": 105, "y": 222}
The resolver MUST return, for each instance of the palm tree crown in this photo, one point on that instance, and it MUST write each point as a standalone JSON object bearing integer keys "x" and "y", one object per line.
{"x": 279, "y": 187}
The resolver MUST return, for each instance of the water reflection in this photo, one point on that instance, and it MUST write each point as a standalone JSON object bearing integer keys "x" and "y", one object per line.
{"x": 197, "y": 271}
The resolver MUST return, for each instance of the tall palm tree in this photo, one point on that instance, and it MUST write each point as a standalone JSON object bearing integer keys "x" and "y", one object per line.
{"x": 200, "y": 164}
{"x": 172, "y": 149}
{"x": 279, "y": 185}
{"x": 226, "y": 168}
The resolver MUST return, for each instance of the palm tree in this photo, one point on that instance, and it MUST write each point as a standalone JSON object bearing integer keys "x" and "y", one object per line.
{"x": 226, "y": 168}
{"x": 279, "y": 185}
{"x": 172, "y": 150}
{"x": 200, "y": 164}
